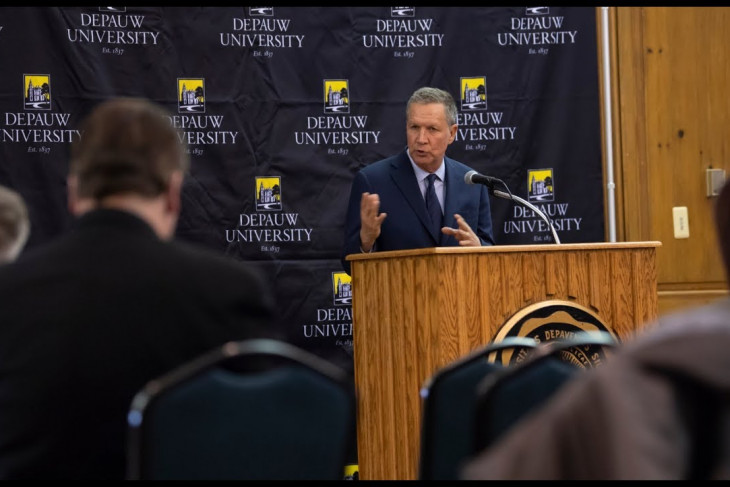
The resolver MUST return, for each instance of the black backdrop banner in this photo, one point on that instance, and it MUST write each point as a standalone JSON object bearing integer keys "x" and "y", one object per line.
{"x": 280, "y": 106}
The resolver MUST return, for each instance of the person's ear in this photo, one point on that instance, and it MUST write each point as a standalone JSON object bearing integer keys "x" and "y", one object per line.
{"x": 174, "y": 192}
{"x": 77, "y": 204}
{"x": 453, "y": 129}
{"x": 72, "y": 196}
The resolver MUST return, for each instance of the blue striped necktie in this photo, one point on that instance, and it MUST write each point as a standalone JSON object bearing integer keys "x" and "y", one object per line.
{"x": 433, "y": 207}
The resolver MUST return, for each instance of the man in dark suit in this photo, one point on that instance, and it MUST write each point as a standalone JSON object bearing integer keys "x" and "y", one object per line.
{"x": 86, "y": 320}
{"x": 394, "y": 204}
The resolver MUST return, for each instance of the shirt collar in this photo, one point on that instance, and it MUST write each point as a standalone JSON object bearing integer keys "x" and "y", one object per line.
{"x": 421, "y": 174}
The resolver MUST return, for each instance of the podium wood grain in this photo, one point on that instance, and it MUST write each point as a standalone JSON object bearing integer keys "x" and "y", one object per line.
{"x": 414, "y": 311}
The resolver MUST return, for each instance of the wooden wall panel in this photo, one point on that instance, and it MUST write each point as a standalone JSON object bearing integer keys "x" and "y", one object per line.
{"x": 671, "y": 72}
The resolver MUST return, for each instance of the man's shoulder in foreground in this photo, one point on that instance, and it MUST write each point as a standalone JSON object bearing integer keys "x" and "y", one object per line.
{"x": 710, "y": 318}
{"x": 195, "y": 254}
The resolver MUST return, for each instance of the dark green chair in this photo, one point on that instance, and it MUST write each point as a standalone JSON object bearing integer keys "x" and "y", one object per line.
{"x": 258, "y": 409}
{"x": 506, "y": 397}
{"x": 448, "y": 408}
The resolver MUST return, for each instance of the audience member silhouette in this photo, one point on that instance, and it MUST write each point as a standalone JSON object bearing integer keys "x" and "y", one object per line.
{"x": 89, "y": 318}
{"x": 658, "y": 410}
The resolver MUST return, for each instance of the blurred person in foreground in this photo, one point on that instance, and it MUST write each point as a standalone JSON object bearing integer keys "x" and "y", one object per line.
{"x": 89, "y": 318}
{"x": 658, "y": 410}
{"x": 14, "y": 224}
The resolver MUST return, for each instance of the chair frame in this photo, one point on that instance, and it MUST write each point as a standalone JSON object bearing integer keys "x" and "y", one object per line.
{"x": 265, "y": 347}
{"x": 434, "y": 382}
{"x": 544, "y": 351}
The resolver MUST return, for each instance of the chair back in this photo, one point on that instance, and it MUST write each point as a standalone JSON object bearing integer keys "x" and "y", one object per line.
{"x": 506, "y": 397}
{"x": 448, "y": 406}
{"x": 257, "y": 409}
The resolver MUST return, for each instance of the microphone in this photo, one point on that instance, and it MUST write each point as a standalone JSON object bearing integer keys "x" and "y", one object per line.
{"x": 473, "y": 177}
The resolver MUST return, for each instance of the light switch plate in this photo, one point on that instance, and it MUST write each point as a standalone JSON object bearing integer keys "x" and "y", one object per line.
{"x": 681, "y": 222}
{"x": 715, "y": 181}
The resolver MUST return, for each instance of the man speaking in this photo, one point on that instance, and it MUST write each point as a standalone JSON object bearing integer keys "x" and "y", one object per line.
{"x": 418, "y": 198}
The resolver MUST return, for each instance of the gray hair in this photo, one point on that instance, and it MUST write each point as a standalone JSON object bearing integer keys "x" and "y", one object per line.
{"x": 429, "y": 94}
{"x": 14, "y": 224}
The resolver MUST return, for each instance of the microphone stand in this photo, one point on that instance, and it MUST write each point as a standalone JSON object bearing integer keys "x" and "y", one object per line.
{"x": 510, "y": 196}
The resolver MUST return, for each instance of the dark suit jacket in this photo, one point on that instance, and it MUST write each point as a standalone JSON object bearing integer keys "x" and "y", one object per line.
{"x": 407, "y": 223}
{"x": 88, "y": 319}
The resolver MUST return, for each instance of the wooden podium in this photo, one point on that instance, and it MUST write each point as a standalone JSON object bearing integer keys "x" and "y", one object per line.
{"x": 414, "y": 311}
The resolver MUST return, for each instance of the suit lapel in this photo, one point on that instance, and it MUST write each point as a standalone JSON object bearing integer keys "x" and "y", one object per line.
{"x": 405, "y": 179}
{"x": 452, "y": 189}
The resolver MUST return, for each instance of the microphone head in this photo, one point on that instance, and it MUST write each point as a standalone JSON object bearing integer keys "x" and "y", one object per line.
{"x": 468, "y": 176}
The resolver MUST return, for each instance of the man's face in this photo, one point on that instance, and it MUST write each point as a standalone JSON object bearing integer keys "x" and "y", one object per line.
{"x": 429, "y": 134}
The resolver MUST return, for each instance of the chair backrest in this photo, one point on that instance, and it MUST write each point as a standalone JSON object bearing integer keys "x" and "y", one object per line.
{"x": 448, "y": 407}
{"x": 507, "y": 396}
{"x": 257, "y": 409}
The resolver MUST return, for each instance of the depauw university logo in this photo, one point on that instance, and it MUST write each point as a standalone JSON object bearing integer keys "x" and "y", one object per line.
{"x": 473, "y": 93}
{"x": 191, "y": 95}
{"x": 540, "y": 185}
{"x": 342, "y": 288}
{"x": 268, "y": 193}
{"x": 402, "y": 11}
{"x": 261, "y": 11}
{"x": 37, "y": 91}
{"x": 537, "y": 10}
{"x": 553, "y": 320}
{"x": 336, "y": 96}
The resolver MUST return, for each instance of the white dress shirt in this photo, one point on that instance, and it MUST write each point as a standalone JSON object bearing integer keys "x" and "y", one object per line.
{"x": 421, "y": 176}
